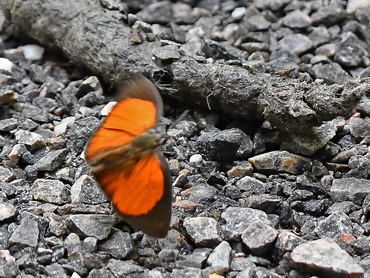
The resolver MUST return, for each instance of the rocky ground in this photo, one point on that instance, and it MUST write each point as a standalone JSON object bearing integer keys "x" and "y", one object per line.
{"x": 248, "y": 202}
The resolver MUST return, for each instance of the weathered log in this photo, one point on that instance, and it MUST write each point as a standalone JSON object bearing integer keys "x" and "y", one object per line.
{"x": 99, "y": 39}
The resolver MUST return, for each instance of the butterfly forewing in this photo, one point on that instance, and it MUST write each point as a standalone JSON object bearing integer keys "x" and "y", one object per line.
{"x": 129, "y": 118}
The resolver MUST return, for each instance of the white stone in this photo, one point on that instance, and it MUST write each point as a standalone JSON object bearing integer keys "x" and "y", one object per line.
{"x": 61, "y": 127}
{"x": 196, "y": 158}
{"x": 6, "y": 65}
{"x": 32, "y": 51}
{"x": 107, "y": 108}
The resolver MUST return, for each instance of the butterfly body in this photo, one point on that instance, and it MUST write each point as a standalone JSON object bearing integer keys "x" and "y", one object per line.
{"x": 124, "y": 159}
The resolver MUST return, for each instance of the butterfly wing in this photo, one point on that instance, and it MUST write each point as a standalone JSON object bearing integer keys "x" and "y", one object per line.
{"x": 139, "y": 108}
{"x": 139, "y": 186}
{"x": 142, "y": 195}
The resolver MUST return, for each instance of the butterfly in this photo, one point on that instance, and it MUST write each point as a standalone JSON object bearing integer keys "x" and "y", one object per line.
{"x": 124, "y": 158}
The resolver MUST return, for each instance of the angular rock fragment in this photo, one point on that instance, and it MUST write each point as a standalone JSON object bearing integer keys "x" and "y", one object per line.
{"x": 51, "y": 161}
{"x": 119, "y": 245}
{"x": 51, "y": 191}
{"x": 220, "y": 258}
{"x": 86, "y": 190}
{"x": 281, "y": 161}
{"x": 324, "y": 258}
{"x": 238, "y": 219}
{"x": 98, "y": 226}
{"x": 203, "y": 231}
{"x": 259, "y": 237}
{"x": 350, "y": 189}
{"x": 26, "y": 234}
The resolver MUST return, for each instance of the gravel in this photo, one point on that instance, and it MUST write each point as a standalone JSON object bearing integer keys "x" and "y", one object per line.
{"x": 249, "y": 200}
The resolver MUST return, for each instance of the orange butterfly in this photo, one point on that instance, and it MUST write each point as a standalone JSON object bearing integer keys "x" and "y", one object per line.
{"x": 125, "y": 161}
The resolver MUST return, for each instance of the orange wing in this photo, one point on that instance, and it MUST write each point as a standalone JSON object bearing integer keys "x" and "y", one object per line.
{"x": 139, "y": 108}
{"x": 134, "y": 191}
{"x": 129, "y": 118}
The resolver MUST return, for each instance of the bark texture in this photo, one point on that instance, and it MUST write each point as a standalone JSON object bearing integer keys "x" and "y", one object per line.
{"x": 99, "y": 39}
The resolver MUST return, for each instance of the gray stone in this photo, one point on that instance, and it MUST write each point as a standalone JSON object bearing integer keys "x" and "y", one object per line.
{"x": 45, "y": 103}
{"x": 203, "y": 194}
{"x": 313, "y": 207}
{"x": 57, "y": 226}
{"x": 297, "y": 19}
{"x": 296, "y": 43}
{"x": 17, "y": 151}
{"x": 281, "y": 161}
{"x": 344, "y": 156}
{"x": 183, "y": 13}
{"x": 327, "y": 50}
{"x": 286, "y": 242}
{"x": 192, "y": 47}
{"x": 350, "y": 189}
{"x": 238, "y": 219}
{"x": 159, "y": 12}
{"x": 324, "y": 258}
{"x": 100, "y": 273}
{"x": 30, "y": 139}
{"x": 261, "y": 272}
{"x": 332, "y": 72}
{"x": 250, "y": 185}
{"x": 168, "y": 255}
{"x": 55, "y": 270}
{"x": 259, "y": 237}
{"x": 80, "y": 131}
{"x": 51, "y": 191}
{"x": 273, "y": 5}
{"x": 34, "y": 113}
{"x": 280, "y": 60}
{"x": 328, "y": 16}
{"x": 86, "y": 190}
{"x": 6, "y": 175}
{"x": 220, "y": 257}
{"x": 247, "y": 272}
{"x": 195, "y": 258}
{"x": 202, "y": 231}
{"x": 51, "y": 161}
{"x": 187, "y": 272}
{"x": 90, "y": 84}
{"x": 266, "y": 202}
{"x": 240, "y": 263}
{"x": 312, "y": 140}
{"x": 257, "y": 22}
{"x": 364, "y": 104}
{"x": 334, "y": 225}
{"x": 167, "y": 53}
{"x": 319, "y": 36}
{"x": 359, "y": 127}
{"x": 345, "y": 206}
{"x": 219, "y": 145}
{"x": 8, "y": 124}
{"x": 98, "y": 226}
{"x": 124, "y": 268}
{"x": 241, "y": 169}
{"x": 183, "y": 128}
{"x": 210, "y": 5}
{"x": 119, "y": 244}
{"x": 350, "y": 51}
{"x": 72, "y": 243}
{"x": 359, "y": 166}
{"x": 251, "y": 47}
{"x": 26, "y": 234}
{"x": 7, "y": 212}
